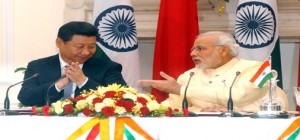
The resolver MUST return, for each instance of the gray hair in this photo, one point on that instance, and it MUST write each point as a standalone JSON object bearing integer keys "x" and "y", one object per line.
{"x": 224, "y": 39}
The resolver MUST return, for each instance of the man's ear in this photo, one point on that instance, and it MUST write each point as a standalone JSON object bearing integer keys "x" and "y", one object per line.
{"x": 59, "y": 42}
{"x": 224, "y": 50}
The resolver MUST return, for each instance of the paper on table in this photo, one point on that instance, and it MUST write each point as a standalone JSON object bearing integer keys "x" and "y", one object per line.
{"x": 218, "y": 113}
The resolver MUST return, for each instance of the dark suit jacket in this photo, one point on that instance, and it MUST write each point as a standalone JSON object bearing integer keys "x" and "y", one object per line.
{"x": 100, "y": 72}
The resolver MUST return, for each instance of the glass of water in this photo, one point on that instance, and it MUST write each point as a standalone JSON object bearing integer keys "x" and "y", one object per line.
{"x": 297, "y": 95}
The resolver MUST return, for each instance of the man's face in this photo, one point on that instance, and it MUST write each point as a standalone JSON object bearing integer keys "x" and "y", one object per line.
{"x": 78, "y": 49}
{"x": 205, "y": 54}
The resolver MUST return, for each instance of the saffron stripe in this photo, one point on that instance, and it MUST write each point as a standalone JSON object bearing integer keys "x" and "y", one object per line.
{"x": 119, "y": 128}
{"x": 294, "y": 126}
{"x": 260, "y": 70}
{"x": 294, "y": 135}
{"x": 84, "y": 128}
{"x": 132, "y": 124}
{"x": 262, "y": 76}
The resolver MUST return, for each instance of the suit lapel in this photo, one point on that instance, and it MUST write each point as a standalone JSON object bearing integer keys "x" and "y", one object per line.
{"x": 88, "y": 68}
{"x": 54, "y": 70}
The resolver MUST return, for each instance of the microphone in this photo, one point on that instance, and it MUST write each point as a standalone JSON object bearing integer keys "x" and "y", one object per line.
{"x": 230, "y": 102}
{"x": 47, "y": 94}
{"x": 184, "y": 101}
{"x": 6, "y": 100}
{"x": 230, "y": 112}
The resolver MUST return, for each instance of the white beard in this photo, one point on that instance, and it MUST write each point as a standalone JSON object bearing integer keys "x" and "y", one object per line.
{"x": 210, "y": 62}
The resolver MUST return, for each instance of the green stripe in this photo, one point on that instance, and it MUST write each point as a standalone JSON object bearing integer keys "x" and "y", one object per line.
{"x": 100, "y": 53}
{"x": 276, "y": 62}
{"x": 128, "y": 135}
{"x": 294, "y": 135}
{"x": 264, "y": 80}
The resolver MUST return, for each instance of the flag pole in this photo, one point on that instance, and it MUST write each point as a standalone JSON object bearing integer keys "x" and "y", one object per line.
{"x": 270, "y": 81}
{"x": 270, "y": 108}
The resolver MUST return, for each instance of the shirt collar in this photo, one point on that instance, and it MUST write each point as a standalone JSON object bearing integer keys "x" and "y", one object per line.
{"x": 222, "y": 69}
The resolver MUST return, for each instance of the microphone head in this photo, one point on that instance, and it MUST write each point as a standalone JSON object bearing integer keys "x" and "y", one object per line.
{"x": 238, "y": 73}
{"x": 192, "y": 73}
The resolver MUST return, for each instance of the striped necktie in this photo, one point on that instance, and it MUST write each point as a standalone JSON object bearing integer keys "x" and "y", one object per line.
{"x": 68, "y": 90}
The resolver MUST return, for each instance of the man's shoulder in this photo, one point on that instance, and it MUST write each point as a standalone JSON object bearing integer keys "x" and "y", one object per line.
{"x": 97, "y": 60}
{"x": 52, "y": 58}
{"x": 249, "y": 63}
{"x": 100, "y": 61}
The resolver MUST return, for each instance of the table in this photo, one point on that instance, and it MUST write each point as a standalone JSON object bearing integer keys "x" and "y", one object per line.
{"x": 167, "y": 128}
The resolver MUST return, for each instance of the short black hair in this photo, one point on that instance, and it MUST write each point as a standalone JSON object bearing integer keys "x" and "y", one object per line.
{"x": 69, "y": 29}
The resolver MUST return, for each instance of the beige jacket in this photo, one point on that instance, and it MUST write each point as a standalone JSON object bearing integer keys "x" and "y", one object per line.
{"x": 210, "y": 87}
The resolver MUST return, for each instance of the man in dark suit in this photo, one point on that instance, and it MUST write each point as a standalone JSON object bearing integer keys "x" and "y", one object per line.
{"x": 74, "y": 66}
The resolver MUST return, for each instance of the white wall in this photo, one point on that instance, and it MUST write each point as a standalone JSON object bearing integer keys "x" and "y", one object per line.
{"x": 33, "y": 26}
{"x": 289, "y": 64}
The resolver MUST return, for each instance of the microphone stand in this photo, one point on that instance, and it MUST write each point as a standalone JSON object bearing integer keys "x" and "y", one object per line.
{"x": 230, "y": 112}
{"x": 6, "y": 110}
{"x": 48, "y": 101}
{"x": 185, "y": 110}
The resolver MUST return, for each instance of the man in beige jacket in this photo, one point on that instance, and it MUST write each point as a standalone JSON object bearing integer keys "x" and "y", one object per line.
{"x": 216, "y": 65}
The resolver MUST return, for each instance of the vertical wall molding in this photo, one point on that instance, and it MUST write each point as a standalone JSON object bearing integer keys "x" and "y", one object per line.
{"x": 6, "y": 74}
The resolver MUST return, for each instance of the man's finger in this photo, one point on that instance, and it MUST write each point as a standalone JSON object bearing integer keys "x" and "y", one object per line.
{"x": 146, "y": 82}
{"x": 166, "y": 76}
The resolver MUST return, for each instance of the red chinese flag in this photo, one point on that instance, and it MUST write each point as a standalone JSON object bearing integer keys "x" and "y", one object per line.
{"x": 176, "y": 31}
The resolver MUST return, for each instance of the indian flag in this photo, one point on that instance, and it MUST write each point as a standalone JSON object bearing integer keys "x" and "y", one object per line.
{"x": 118, "y": 36}
{"x": 262, "y": 75}
{"x": 256, "y": 28}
